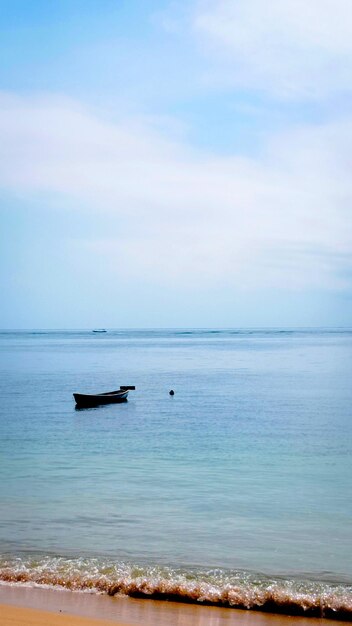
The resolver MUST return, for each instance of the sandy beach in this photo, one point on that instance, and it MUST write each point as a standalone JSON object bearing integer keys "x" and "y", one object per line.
{"x": 18, "y": 616}
{"x": 46, "y": 607}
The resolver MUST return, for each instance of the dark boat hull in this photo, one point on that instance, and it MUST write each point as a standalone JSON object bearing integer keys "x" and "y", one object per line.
{"x": 89, "y": 400}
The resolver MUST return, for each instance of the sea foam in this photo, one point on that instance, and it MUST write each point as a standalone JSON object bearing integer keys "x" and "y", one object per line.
{"x": 223, "y": 588}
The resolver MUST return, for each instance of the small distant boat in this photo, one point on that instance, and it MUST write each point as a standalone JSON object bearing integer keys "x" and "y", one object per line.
{"x": 99, "y": 330}
{"x": 95, "y": 399}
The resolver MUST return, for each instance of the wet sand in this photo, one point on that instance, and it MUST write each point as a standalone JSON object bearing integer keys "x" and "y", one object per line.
{"x": 21, "y": 606}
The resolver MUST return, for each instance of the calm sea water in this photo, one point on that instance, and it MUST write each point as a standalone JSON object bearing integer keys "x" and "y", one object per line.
{"x": 238, "y": 484}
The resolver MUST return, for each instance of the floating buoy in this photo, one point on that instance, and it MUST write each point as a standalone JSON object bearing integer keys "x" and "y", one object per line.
{"x": 171, "y": 392}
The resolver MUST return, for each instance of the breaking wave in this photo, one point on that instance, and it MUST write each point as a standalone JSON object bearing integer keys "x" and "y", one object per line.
{"x": 217, "y": 587}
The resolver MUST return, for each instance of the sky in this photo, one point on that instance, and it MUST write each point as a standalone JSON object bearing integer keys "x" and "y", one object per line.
{"x": 169, "y": 163}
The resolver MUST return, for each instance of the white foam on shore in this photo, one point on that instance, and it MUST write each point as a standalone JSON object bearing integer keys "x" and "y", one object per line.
{"x": 213, "y": 587}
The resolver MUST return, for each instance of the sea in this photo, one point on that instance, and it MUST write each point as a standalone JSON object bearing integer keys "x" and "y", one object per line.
{"x": 235, "y": 491}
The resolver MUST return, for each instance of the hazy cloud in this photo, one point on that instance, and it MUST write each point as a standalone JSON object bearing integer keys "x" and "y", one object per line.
{"x": 291, "y": 49}
{"x": 282, "y": 218}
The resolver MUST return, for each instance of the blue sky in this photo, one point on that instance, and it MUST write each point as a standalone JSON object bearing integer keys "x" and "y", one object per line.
{"x": 175, "y": 163}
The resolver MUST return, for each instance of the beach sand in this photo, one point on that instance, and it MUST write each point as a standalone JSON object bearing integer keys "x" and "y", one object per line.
{"x": 18, "y": 616}
{"x": 21, "y": 606}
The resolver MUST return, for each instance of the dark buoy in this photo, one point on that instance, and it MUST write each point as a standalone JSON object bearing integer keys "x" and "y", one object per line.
{"x": 171, "y": 392}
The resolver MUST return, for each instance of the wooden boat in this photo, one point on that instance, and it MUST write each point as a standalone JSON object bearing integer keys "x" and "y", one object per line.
{"x": 95, "y": 399}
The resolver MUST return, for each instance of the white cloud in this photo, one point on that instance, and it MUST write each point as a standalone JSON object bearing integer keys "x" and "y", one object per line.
{"x": 280, "y": 219}
{"x": 290, "y": 48}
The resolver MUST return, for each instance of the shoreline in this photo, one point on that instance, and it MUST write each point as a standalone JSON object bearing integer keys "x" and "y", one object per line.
{"x": 258, "y": 594}
{"x": 28, "y": 606}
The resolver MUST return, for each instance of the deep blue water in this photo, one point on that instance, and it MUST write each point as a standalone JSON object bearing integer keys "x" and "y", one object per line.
{"x": 247, "y": 468}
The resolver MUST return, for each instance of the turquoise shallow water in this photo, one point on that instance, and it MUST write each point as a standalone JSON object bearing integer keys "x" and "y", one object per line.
{"x": 242, "y": 479}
